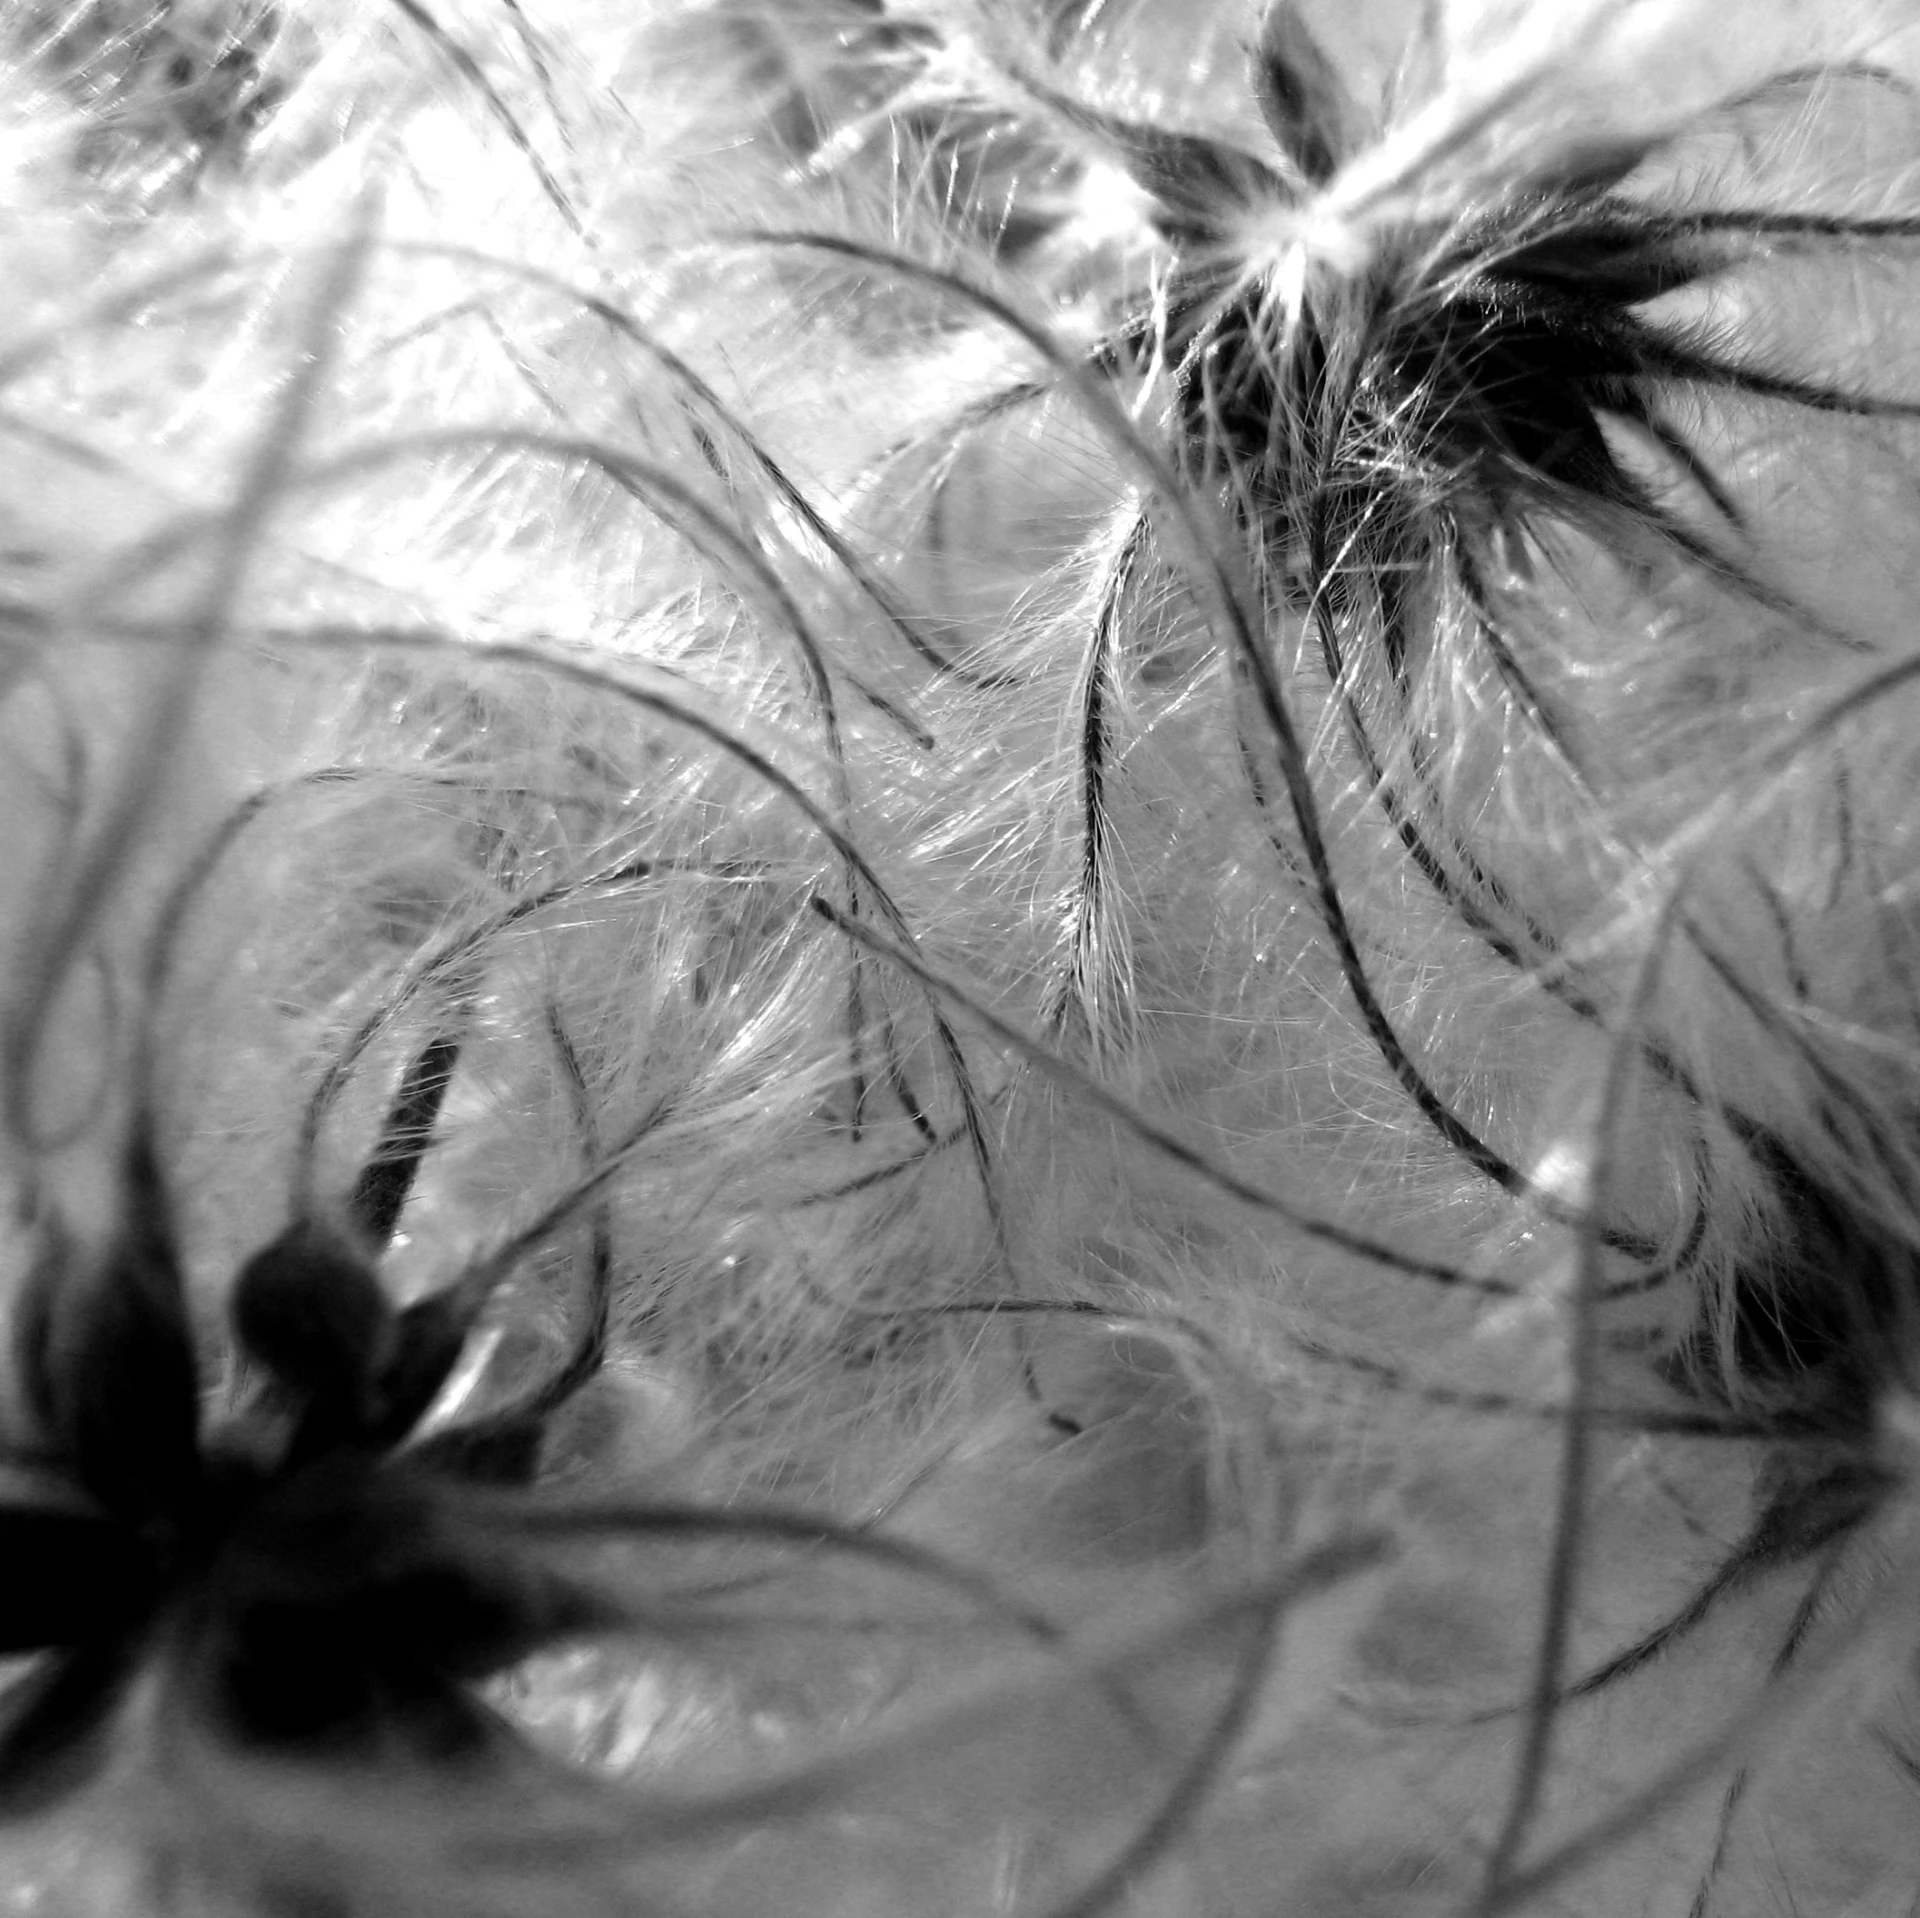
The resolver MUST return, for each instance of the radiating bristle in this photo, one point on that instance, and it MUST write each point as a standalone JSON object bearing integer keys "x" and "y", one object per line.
{"x": 957, "y": 958}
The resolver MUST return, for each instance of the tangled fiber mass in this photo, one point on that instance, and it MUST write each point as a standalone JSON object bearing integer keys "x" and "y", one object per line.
{"x": 957, "y": 959}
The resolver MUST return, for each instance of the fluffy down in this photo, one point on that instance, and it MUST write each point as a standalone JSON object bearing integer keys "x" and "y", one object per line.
{"x": 959, "y": 959}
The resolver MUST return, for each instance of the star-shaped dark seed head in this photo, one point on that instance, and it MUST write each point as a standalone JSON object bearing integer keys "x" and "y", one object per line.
{"x": 307, "y": 1579}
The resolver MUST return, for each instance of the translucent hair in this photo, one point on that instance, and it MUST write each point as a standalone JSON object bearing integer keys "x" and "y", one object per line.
{"x": 958, "y": 958}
